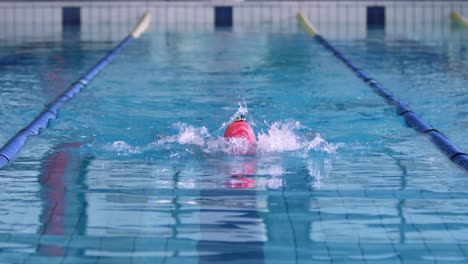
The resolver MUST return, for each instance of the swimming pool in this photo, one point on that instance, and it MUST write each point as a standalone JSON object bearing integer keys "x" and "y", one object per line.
{"x": 133, "y": 170}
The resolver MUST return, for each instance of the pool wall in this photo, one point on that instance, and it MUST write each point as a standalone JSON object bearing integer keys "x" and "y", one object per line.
{"x": 336, "y": 19}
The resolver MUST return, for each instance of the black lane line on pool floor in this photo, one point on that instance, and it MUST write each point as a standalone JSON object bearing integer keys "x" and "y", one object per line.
{"x": 454, "y": 153}
{"x": 9, "y": 151}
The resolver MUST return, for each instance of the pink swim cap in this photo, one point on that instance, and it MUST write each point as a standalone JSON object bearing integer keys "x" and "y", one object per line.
{"x": 241, "y": 129}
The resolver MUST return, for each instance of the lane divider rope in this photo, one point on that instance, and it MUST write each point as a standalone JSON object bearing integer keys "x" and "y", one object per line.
{"x": 454, "y": 153}
{"x": 9, "y": 151}
{"x": 458, "y": 20}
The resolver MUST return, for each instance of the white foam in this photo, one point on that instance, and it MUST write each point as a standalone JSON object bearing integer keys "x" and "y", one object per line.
{"x": 188, "y": 134}
{"x": 281, "y": 136}
{"x": 242, "y": 110}
{"x": 123, "y": 148}
{"x": 231, "y": 146}
{"x": 284, "y": 136}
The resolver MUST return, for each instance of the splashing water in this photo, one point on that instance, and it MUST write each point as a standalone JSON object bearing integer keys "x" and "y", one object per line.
{"x": 188, "y": 134}
{"x": 242, "y": 110}
{"x": 284, "y": 136}
{"x": 123, "y": 148}
{"x": 279, "y": 137}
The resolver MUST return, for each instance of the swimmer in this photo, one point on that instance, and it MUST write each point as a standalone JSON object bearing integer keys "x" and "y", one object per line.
{"x": 241, "y": 129}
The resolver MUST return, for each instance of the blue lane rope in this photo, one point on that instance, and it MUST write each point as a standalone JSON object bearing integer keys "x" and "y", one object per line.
{"x": 9, "y": 151}
{"x": 454, "y": 153}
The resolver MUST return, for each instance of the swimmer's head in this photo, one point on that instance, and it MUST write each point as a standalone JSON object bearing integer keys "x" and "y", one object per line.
{"x": 240, "y": 118}
{"x": 240, "y": 129}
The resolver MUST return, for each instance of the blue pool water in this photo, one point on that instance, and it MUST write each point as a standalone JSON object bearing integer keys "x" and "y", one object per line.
{"x": 134, "y": 170}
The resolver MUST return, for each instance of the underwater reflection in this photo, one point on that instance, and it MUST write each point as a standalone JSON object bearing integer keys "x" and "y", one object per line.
{"x": 63, "y": 207}
{"x": 230, "y": 226}
{"x": 318, "y": 171}
{"x": 241, "y": 173}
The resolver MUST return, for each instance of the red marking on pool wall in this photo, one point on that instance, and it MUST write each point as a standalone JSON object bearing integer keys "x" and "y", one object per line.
{"x": 241, "y": 129}
{"x": 54, "y": 190}
{"x": 54, "y": 201}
